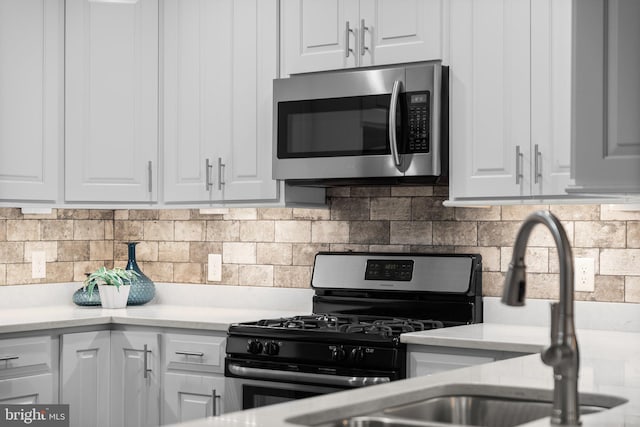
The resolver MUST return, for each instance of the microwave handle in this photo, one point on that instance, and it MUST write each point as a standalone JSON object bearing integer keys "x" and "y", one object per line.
{"x": 393, "y": 137}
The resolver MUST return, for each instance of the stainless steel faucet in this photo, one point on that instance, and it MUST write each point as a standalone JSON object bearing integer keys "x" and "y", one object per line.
{"x": 562, "y": 354}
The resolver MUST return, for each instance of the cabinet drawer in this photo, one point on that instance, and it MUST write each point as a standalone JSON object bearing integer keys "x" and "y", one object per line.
{"x": 25, "y": 356}
{"x": 195, "y": 352}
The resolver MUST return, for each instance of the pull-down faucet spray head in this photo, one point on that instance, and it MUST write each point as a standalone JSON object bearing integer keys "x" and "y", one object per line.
{"x": 515, "y": 284}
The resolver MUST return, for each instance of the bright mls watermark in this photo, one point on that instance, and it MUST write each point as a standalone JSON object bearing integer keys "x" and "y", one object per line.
{"x": 34, "y": 415}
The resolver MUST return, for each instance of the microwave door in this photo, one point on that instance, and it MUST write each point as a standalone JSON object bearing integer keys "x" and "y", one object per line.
{"x": 334, "y": 125}
{"x": 335, "y": 138}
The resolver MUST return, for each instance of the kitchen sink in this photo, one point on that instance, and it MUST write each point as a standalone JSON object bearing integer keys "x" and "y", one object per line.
{"x": 465, "y": 405}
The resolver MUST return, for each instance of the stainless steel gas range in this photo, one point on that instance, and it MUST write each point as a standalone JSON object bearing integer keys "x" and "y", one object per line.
{"x": 362, "y": 303}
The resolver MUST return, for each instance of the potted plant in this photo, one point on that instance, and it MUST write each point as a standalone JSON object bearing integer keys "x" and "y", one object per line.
{"x": 113, "y": 284}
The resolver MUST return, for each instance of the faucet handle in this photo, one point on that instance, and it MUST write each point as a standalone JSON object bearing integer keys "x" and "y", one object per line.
{"x": 553, "y": 355}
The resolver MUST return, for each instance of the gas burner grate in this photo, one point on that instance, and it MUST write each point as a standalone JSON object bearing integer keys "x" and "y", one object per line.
{"x": 390, "y": 327}
{"x": 320, "y": 321}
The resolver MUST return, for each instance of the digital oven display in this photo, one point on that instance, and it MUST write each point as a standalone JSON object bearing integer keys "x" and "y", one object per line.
{"x": 384, "y": 269}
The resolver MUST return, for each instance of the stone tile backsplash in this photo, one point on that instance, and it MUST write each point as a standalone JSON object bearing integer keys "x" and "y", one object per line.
{"x": 276, "y": 246}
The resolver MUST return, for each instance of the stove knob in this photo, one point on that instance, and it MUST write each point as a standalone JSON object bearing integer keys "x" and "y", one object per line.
{"x": 271, "y": 348}
{"x": 357, "y": 355}
{"x": 338, "y": 354}
{"x": 254, "y": 347}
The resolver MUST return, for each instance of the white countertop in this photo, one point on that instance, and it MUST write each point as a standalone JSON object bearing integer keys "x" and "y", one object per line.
{"x": 610, "y": 365}
{"x": 213, "y": 308}
{"x": 610, "y": 361}
{"x": 156, "y": 315}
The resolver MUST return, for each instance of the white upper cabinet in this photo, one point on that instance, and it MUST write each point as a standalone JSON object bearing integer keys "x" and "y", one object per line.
{"x": 31, "y": 97}
{"x": 325, "y": 35}
{"x": 510, "y": 98}
{"x": 192, "y": 90}
{"x": 396, "y": 31}
{"x": 220, "y": 58}
{"x": 111, "y": 101}
{"x": 606, "y": 99}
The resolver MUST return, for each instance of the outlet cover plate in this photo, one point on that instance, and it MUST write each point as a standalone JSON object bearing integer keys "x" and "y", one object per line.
{"x": 38, "y": 265}
{"x": 584, "y": 274}
{"x": 214, "y": 268}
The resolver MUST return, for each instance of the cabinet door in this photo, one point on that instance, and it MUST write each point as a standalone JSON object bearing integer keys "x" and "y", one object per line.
{"x": 84, "y": 377}
{"x": 490, "y": 98}
{"x": 314, "y": 35}
{"x": 245, "y": 120}
{"x": 397, "y": 31}
{"x": 550, "y": 149}
{"x": 35, "y": 389}
{"x": 135, "y": 379}
{"x": 190, "y": 397}
{"x": 606, "y": 96}
{"x": 31, "y": 110}
{"x": 194, "y": 94}
{"x": 111, "y": 101}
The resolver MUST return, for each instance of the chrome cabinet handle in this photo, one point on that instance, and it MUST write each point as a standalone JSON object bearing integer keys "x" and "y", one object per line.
{"x": 150, "y": 170}
{"x": 208, "y": 167}
{"x": 214, "y": 398}
{"x": 190, "y": 353}
{"x": 7, "y": 358}
{"x": 347, "y": 32}
{"x": 363, "y": 46}
{"x": 537, "y": 164}
{"x": 393, "y": 137}
{"x": 221, "y": 167}
{"x": 518, "y": 167}
{"x": 146, "y": 361}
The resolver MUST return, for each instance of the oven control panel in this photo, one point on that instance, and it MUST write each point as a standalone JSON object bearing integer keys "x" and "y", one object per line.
{"x": 389, "y": 269}
{"x": 326, "y": 354}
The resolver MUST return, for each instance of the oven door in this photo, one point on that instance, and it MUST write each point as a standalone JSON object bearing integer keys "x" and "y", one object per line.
{"x": 251, "y": 387}
{"x": 356, "y": 124}
{"x": 244, "y": 393}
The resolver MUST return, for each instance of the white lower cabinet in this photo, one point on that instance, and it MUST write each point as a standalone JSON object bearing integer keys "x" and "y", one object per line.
{"x": 84, "y": 377}
{"x": 193, "y": 376}
{"x": 135, "y": 378}
{"x": 131, "y": 377}
{"x": 427, "y": 360}
{"x": 27, "y": 374}
{"x": 189, "y": 397}
{"x": 34, "y": 389}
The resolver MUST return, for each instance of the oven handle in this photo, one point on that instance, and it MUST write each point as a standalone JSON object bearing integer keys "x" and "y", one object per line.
{"x": 393, "y": 137}
{"x": 325, "y": 379}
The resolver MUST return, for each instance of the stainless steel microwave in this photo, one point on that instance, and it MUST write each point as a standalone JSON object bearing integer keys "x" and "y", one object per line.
{"x": 362, "y": 125}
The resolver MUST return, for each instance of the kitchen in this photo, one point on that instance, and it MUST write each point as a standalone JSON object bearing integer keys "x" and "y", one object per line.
{"x": 274, "y": 247}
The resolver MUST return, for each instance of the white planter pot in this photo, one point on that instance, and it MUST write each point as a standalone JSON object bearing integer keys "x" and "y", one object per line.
{"x": 114, "y": 297}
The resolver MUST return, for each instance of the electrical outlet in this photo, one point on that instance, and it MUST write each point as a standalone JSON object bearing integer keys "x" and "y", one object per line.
{"x": 38, "y": 265}
{"x": 584, "y": 274}
{"x": 214, "y": 270}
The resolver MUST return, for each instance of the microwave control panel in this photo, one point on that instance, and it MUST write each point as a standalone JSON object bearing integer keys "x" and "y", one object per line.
{"x": 418, "y": 121}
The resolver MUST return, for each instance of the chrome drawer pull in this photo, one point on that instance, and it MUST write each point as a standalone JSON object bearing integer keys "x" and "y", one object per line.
{"x": 214, "y": 400}
{"x": 190, "y": 353}
{"x": 146, "y": 361}
{"x": 7, "y": 358}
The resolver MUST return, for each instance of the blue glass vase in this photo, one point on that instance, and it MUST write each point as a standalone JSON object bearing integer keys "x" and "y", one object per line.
{"x": 142, "y": 288}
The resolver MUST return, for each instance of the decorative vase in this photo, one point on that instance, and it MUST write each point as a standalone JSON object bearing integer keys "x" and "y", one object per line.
{"x": 142, "y": 288}
{"x": 114, "y": 296}
{"x": 82, "y": 297}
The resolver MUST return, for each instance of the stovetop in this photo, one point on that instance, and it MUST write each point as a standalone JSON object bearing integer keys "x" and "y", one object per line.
{"x": 340, "y": 324}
